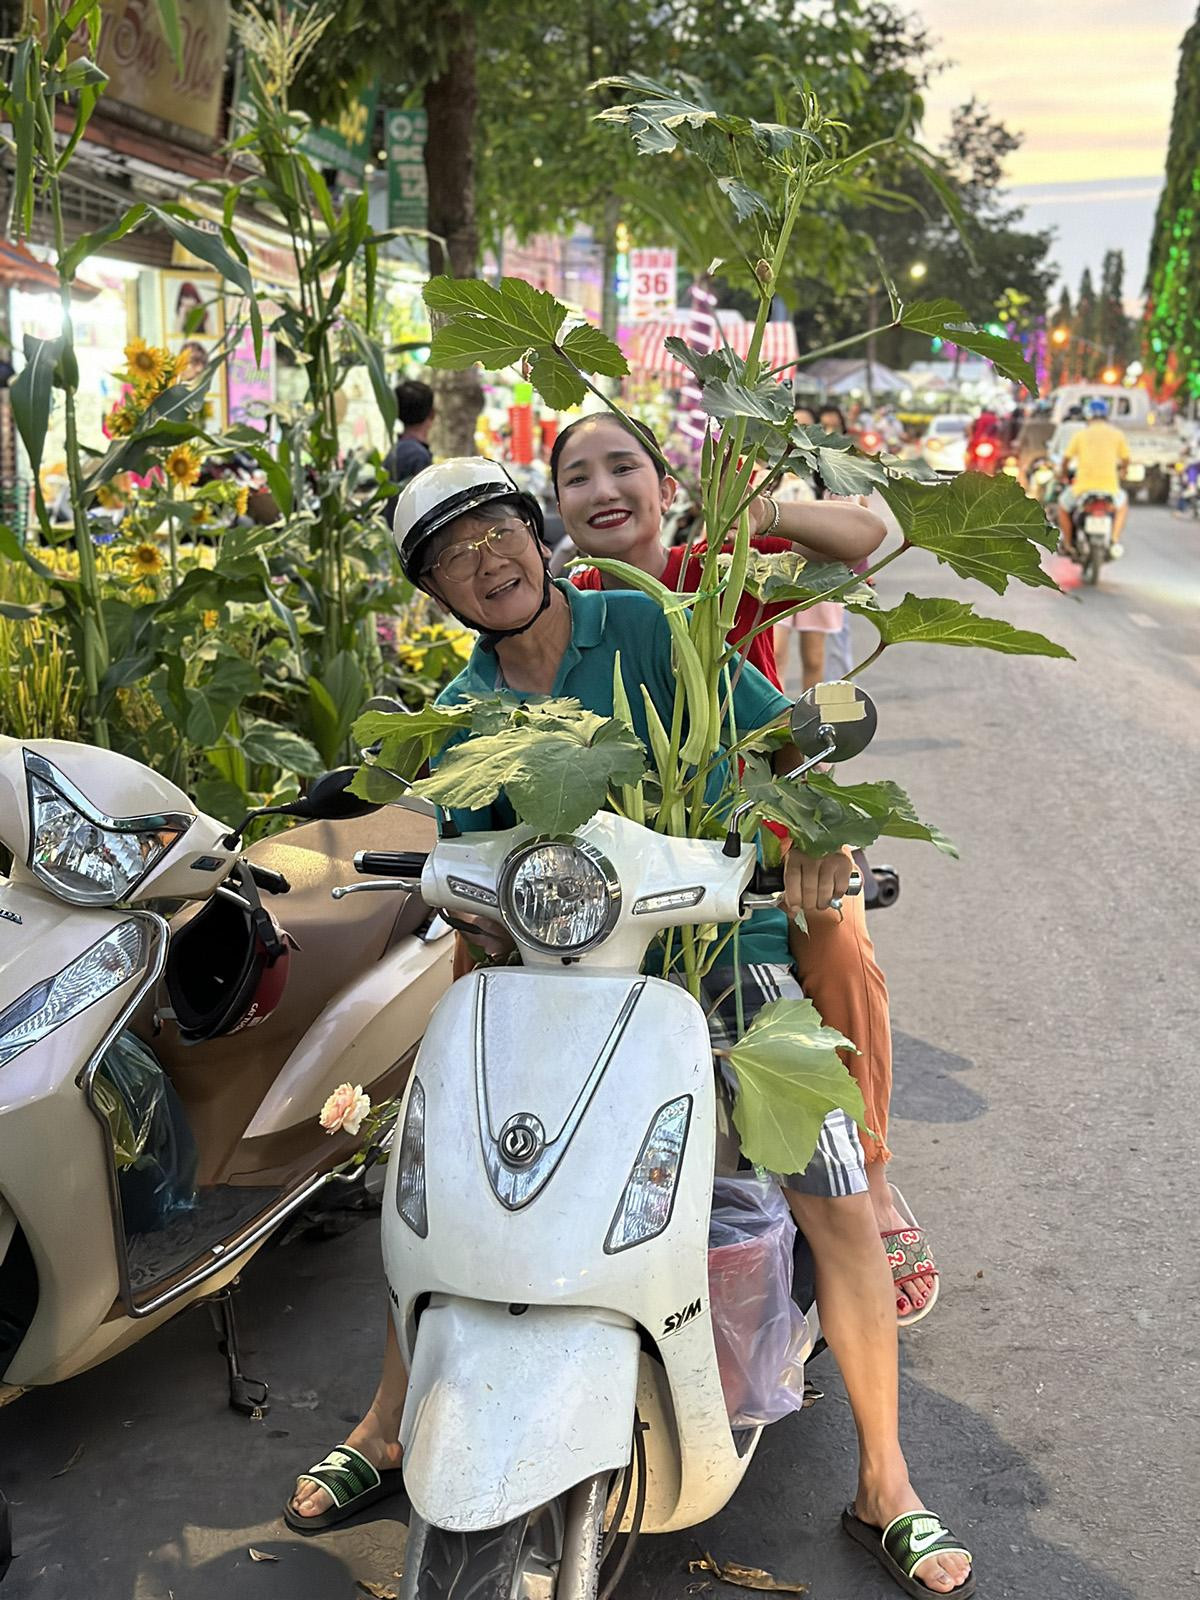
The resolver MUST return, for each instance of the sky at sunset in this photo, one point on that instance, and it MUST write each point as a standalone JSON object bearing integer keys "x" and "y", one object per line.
{"x": 1091, "y": 85}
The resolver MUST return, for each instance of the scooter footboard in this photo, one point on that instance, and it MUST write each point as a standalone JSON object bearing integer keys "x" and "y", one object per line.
{"x": 506, "y": 1411}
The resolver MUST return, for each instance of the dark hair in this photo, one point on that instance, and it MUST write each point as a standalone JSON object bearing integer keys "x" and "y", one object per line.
{"x": 414, "y": 402}
{"x": 838, "y": 413}
{"x": 639, "y": 430}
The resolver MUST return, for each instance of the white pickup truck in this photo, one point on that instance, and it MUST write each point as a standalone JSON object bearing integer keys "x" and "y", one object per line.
{"x": 1151, "y": 431}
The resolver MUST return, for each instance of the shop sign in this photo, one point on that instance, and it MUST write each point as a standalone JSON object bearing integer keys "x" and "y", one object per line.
{"x": 652, "y": 275}
{"x": 251, "y": 383}
{"x": 347, "y": 145}
{"x": 144, "y": 79}
{"x": 408, "y": 190}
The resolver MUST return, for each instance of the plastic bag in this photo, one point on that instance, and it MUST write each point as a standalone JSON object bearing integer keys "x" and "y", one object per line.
{"x": 153, "y": 1147}
{"x": 760, "y": 1332}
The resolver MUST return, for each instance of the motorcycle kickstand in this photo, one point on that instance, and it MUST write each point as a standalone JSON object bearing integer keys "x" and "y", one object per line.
{"x": 247, "y": 1395}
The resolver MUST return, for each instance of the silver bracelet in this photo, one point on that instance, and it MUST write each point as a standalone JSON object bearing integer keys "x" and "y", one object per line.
{"x": 774, "y": 522}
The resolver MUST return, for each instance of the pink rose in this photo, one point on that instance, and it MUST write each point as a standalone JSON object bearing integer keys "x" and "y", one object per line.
{"x": 345, "y": 1109}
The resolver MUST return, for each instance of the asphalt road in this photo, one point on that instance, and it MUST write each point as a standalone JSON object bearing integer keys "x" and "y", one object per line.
{"x": 1045, "y": 1009}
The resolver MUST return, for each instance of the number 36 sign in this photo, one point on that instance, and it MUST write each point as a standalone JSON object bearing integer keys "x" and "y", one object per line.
{"x": 651, "y": 282}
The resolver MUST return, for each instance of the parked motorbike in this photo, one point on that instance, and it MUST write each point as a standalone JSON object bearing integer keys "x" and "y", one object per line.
{"x": 167, "y": 1042}
{"x": 546, "y": 1220}
{"x": 1093, "y": 520}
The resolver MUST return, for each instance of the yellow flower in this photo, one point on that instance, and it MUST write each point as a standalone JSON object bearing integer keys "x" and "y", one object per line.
{"x": 120, "y": 421}
{"x": 147, "y": 362}
{"x": 241, "y": 500}
{"x": 109, "y": 497}
{"x": 182, "y": 465}
{"x": 209, "y": 619}
{"x": 147, "y": 561}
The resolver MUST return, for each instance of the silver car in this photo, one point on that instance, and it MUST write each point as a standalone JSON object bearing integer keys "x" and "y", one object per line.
{"x": 945, "y": 443}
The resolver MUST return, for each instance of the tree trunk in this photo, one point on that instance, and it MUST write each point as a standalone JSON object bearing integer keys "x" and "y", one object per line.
{"x": 450, "y": 105}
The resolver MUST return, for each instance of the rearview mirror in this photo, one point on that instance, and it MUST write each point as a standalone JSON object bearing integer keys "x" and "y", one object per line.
{"x": 329, "y": 798}
{"x": 833, "y": 721}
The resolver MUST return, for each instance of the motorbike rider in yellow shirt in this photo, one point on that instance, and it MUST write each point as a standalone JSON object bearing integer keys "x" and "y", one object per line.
{"x": 1100, "y": 454}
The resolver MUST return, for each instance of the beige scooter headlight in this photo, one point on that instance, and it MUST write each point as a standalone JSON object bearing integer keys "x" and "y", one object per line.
{"x": 81, "y": 854}
{"x": 559, "y": 895}
{"x": 104, "y": 966}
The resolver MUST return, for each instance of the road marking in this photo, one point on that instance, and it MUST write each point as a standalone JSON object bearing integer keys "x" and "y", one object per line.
{"x": 1143, "y": 621}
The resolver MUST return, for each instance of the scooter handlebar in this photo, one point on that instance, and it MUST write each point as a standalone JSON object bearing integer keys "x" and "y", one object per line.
{"x": 392, "y": 863}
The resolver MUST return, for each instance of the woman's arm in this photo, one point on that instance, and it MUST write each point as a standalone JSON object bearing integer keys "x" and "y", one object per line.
{"x": 833, "y": 530}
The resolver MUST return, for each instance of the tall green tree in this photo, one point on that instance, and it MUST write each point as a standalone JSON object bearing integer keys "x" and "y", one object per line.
{"x": 1172, "y": 278}
{"x": 1114, "y": 331}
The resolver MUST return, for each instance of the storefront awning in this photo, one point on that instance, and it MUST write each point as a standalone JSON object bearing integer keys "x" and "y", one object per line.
{"x": 648, "y": 356}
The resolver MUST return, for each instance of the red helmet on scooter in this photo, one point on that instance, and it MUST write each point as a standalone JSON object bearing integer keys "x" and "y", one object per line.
{"x": 228, "y": 967}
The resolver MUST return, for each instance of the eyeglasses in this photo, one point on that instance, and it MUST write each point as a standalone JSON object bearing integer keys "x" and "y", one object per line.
{"x": 462, "y": 561}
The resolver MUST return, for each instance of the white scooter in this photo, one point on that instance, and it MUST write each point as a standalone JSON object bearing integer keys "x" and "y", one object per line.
{"x": 546, "y": 1220}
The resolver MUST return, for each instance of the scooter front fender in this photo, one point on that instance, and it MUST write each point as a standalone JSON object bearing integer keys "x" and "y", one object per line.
{"x": 507, "y": 1410}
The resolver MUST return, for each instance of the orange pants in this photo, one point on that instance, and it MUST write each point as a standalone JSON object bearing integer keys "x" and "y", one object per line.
{"x": 835, "y": 963}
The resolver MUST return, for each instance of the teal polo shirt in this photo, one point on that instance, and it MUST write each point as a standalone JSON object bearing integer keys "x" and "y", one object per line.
{"x": 605, "y": 622}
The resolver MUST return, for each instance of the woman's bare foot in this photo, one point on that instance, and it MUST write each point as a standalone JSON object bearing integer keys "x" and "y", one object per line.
{"x": 376, "y": 1438}
{"x": 912, "y": 1296}
{"x": 881, "y": 1503}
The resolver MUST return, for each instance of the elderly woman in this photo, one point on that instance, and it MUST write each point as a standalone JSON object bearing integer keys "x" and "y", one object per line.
{"x": 472, "y": 540}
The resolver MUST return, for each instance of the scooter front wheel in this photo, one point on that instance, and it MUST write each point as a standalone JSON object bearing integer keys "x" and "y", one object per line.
{"x": 519, "y": 1561}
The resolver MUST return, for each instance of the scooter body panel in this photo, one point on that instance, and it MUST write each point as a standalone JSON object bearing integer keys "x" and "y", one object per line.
{"x": 479, "y": 1373}
{"x": 504, "y": 1042}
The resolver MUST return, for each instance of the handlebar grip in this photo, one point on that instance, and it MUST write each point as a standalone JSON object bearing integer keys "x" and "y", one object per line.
{"x": 270, "y": 882}
{"x": 392, "y": 863}
{"x": 769, "y": 880}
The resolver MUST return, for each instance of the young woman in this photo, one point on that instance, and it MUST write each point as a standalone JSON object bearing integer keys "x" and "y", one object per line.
{"x": 473, "y": 541}
{"x": 612, "y": 491}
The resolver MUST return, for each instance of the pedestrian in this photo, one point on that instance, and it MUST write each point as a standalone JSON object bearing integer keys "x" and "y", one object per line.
{"x": 818, "y": 624}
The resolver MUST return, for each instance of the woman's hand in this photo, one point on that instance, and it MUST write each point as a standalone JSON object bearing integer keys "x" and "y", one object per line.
{"x": 811, "y": 882}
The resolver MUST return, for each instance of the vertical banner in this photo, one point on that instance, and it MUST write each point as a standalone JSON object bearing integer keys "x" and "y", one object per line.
{"x": 652, "y": 275}
{"x": 408, "y": 192}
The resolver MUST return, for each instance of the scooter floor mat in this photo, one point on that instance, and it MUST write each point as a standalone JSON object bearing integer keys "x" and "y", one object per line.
{"x": 217, "y": 1214}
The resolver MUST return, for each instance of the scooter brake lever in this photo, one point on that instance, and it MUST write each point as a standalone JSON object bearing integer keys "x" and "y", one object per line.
{"x": 343, "y": 889}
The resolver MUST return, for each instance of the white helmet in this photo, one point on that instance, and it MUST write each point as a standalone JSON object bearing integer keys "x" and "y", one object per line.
{"x": 440, "y": 493}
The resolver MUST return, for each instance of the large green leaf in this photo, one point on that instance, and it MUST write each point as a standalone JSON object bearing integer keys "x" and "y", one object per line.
{"x": 767, "y": 402}
{"x": 373, "y": 360}
{"x": 946, "y": 319}
{"x": 224, "y": 690}
{"x": 406, "y": 742}
{"x": 88, "y": 243}
{"x": 924, "y": 620}
{"x": 984, "y": 528}
{"x": 790, "y": 1077}
{"x": 30, "y": 392}
{"x": 819, "y": 823}
{"x": 886, "y": 803}
{"x": 665, "y": 117}
{"x": 220, "y": 251}
{"x": 334, "y": 702}
{"x": 594, "y": 351}
{"x": 556, "y": 380}
{"x": 554, "y": 780}
{"x": 280, "y": 747}
{"x": 785, "y": 575}
{"x": 496, "y": 324}
{"x": 706, "y": 365}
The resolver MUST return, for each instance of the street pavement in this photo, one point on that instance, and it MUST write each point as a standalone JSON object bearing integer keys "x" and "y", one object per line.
{"x": 1045, "y": 1011}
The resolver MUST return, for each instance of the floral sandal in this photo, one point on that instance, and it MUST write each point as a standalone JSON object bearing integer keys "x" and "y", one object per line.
{"x": 907, "y": 1541}
{"x": 909, "y": 1257}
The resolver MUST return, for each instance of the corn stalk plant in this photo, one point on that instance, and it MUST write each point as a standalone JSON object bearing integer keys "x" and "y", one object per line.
{"x": 558, "y": 764}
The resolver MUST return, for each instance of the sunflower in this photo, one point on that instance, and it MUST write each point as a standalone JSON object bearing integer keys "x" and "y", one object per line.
{"x": 147, "y": 561}
{"x": 182, "y": 466}
{"x": 209, "y": 619}
{"x": 121, "y": 421}
{"x": 147, "y": 363}
{"x": 109, "y": 497}
{"x": 241, "y": 500}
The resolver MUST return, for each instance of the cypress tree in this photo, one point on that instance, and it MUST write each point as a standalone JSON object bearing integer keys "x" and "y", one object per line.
{"x": 1173, "y": 274}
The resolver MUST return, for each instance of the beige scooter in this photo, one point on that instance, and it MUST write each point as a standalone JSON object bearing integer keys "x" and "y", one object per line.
{"x": 140, "y": 1172}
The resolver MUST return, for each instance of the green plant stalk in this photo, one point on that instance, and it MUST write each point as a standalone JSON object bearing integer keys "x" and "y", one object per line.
{"x": 173, "y": 540}
{"x": 95, "y": 634}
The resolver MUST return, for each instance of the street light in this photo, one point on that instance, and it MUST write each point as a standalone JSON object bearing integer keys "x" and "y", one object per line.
{"x": 917, "y": 271}
{"x": 1060, "y": 336}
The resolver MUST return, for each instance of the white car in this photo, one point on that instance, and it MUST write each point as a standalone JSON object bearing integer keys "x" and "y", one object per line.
{"x": 945, "y": 443}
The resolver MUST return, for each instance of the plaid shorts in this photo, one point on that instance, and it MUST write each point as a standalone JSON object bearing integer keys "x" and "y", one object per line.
{"x": 838, "y": 1166}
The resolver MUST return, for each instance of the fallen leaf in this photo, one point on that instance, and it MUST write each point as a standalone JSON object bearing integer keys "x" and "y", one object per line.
{"x": 62, "y": 1471}
{"x": 379, "y": 1590}
{"x": 979, "y": 1274}
{"x": 745, "y": 1577}
{"x": 261, "y": 1555}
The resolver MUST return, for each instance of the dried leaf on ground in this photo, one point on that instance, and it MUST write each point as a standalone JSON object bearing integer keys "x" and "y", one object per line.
{"x": 261, "y": 1555}
{"x": 745, "y": 1577}
{"x": 380, "y": 1591}
{"x": 75, "y": 1455}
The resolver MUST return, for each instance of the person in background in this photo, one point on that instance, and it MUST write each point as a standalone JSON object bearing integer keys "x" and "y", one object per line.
{"x": 1100, "y": 456}
{"x": 410, "y": 453}
{"x": 816, "y": 624}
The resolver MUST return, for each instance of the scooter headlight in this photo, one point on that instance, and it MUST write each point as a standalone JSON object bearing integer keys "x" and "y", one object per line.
{"x": 649, "y": 1196}
{"x": 81, "y": 854}
{"x": 106, "y": 965}
{"x": 559, "y": 895}
{"x": 410, "y": 1179}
